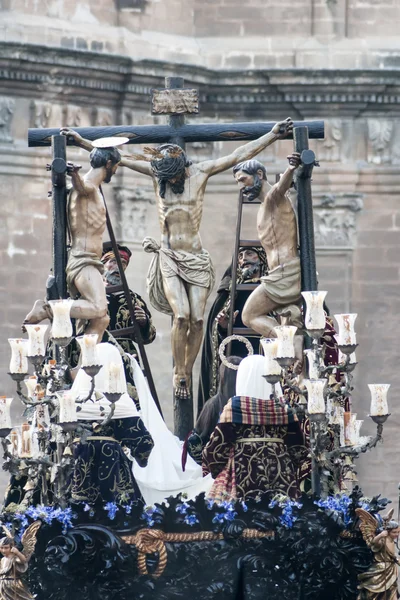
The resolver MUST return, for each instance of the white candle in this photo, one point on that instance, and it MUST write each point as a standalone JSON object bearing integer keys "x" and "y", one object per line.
{"x": 315, "y": 314}
{"x": 270, "y": 348}
{"x": 285, "y": 336}
{"x": 115, "y": 378}
{"x": 31, "y": 384}
{"x": 316, "y": 401}
{"x": 67, "y": 407}
{"x": 5, "y": 416}
{"x": 19, "y": 353}
{"x": 62, "y": 326}
{"x": 36, "y": 345}
{"x": 346, "y": 335}
{"x": 313, "y": 370}
{"x": 25, "y": 450}
{"x": 88, "y": 344}
{"x": 379, "y": 404}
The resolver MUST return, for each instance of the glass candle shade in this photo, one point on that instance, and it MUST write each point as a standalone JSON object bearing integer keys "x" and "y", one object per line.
{"x": 14, "y": 439}
{"x": 346, "y": 335}
{"x": 5, "y": 415}
{"x": 315, "y": 401}
{"x": 36, "y": 342}
{"x": 116, "y": 382}
{"x": 379, "y": 403}
{"x": 313, "y": 370}
{"x": 351, "y": 429}
{"x": 25, "y": 441}
{"x": 68, "y": 412}
{"x": 42, "y": 416}
{"x": 352, "y": 358}
{"x": 270, "y": 348}
{"x": 285, "y": 335}
{"x": 19, "y": 353}
{"x": 357, "y": 424}
{"x": 61, "y": 326}
{"x": 31, "y": 384}
{"x": 315, "y": 314}
{"x": 88, "y": 345}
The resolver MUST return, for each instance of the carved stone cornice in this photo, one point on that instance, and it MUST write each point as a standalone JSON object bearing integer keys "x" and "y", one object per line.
{"x": 335, "y": 218}
{"x": 80, "y": 77}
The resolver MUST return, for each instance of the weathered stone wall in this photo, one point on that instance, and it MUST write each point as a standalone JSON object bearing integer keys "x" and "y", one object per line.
{"x": 64, "y": 62}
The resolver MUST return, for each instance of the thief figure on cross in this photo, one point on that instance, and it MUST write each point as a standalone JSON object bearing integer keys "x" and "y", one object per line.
{"x": 181, "y": 275}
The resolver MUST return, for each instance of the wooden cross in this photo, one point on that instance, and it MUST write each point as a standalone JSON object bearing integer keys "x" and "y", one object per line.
{"x": 175, "y": 101}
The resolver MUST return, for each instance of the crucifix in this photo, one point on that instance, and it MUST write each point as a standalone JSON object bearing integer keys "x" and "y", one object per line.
{"x": 181, "y": 274}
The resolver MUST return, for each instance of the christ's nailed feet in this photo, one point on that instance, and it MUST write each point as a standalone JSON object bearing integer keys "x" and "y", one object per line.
{"x": 181, "y": 387}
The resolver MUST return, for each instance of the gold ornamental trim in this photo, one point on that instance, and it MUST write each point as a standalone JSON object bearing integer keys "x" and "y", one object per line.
{"x": 149, "y": 541}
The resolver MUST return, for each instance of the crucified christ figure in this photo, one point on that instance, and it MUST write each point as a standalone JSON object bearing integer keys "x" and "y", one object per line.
{"x": 181, "y": 275}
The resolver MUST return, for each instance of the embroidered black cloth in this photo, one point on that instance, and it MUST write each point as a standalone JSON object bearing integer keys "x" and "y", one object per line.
{"x": 102, "y": 472}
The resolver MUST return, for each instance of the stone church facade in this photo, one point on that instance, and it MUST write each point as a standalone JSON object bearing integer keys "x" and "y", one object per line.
{"x": 94, "y": 62}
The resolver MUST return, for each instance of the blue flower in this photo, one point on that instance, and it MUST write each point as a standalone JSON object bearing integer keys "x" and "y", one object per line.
{"x": 191, "y": 520}
{"x": 22, "y": 518}
{"x": 86, "y": 507}
{"x": 244, "y": 507}
{"x": 339, "y": 504}
{"x": 111, "y": 509}
{"x": 182, "y": 508}
{"x": 148, "y": 513}
{"x": 218, "y": 518}
{"x": 128, "y": 509}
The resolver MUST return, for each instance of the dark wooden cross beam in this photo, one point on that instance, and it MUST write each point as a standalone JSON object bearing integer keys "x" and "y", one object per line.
{"x": 176, "y": 101}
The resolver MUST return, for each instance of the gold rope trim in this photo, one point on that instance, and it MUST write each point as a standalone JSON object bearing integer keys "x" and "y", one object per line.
{"x": 149, "y": 541}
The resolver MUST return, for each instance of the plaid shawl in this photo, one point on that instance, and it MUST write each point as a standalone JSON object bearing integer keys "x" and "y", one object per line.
{"x": 244, "y": 410}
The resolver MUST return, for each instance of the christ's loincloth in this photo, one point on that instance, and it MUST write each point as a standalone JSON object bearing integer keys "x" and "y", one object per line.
{"x": 195, "y": 269}
{"x": 78, "y": 260}
{"x": 283, "y": 284}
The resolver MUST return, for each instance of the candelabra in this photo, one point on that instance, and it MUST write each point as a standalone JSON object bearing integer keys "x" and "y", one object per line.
{"x": 42, "y": 447}
{"x": 325, "y": 396}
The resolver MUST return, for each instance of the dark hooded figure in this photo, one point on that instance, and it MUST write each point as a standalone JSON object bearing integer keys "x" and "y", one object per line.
{"x": 212, "y": 410}
{"x": 252, "y": 264}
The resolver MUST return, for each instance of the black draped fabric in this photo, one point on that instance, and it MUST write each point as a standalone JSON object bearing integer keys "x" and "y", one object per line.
{"x": 102, "y": 471}
{"x": 214, "y": 335}
{"x": 120, "y": 318}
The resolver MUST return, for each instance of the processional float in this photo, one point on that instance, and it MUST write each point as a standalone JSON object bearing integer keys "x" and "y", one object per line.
{"x": 166, "y": 550}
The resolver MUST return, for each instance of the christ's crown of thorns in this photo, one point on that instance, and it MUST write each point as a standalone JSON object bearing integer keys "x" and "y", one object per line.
{"x": 150, "y": 154}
